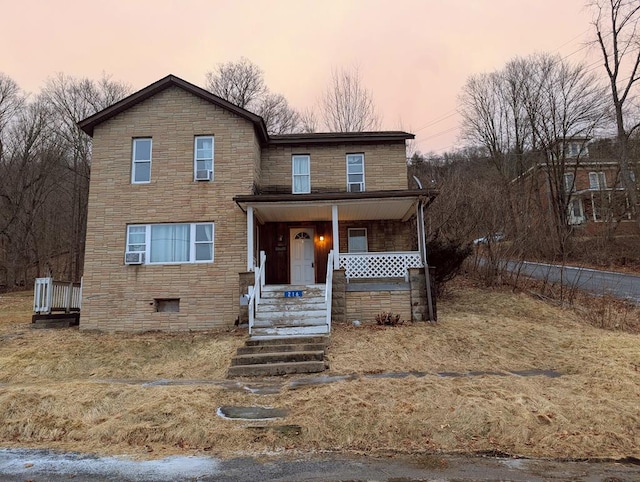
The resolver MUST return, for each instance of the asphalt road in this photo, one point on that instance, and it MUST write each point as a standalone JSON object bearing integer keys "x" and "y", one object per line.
{"x": 42, "y": 465}
{"x": 620, "y": 285}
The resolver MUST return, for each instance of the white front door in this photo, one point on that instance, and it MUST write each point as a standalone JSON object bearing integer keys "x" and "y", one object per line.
{"x": 302, "y": 256}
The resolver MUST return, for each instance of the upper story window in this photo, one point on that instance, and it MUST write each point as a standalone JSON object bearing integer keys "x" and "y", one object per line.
{"x": 301, "y": 174}
{"x": 203, "y": 158}
{"x": 573, "y": 149}
{"x": 597, "y": 180}
{"x": 355, "y": 172}
{"x": 357, "y": 240}
{"x": 632, "y": 175}
{"x": 170, "y": 243}
{"x": 569, "y": 182}
{"x": 141, "y": 161}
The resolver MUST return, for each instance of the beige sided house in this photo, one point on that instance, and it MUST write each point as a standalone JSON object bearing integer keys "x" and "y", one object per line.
{"x": 197, "y": 218}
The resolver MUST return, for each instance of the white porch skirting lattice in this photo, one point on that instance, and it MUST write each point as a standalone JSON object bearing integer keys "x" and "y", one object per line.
{"x": 380, "y": 265}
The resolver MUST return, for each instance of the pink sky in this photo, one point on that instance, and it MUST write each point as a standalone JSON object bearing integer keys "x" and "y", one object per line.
{"x": 413, "y": 55}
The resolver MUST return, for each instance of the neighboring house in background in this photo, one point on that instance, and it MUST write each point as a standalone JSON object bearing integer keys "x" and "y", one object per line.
{"x": 596, "y": 196}
{"x": 187, "y": 191}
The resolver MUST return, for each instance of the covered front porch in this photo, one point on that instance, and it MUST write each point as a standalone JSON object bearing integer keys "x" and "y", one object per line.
{"x": 370, "y": 237}
{"x": 371, "y": 233}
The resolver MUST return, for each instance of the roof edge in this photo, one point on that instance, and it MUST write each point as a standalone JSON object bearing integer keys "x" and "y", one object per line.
{"x": 344, "y": 137}
{"x": 336, "y": 196}
{"x": 88, "y": 124}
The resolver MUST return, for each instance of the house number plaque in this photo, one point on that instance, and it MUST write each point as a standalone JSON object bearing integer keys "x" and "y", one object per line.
{"x": 292, "y": 294}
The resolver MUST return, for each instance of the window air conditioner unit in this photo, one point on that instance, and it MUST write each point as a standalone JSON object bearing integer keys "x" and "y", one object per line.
{"x": 134, "y": 258}
{"x": 355, "y": 187}
{"x": 203, "y": 175}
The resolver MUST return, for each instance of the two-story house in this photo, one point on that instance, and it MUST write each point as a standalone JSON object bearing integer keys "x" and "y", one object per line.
{"x": 195, "y": 212}
{"x": 591, "y": 183}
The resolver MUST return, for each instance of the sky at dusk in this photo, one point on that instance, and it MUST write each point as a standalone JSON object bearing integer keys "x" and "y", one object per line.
{"x": 414, "y": 55}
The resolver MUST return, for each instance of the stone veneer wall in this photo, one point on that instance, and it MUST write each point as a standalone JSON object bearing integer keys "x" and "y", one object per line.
{"x": 385, "y": 166}
{"x": 419, "y": 304}
{"x": 247, "y": 278}
{"x": 117, "y": 297}
{"x": 365, "y": 305}
{"x": 338, "y": 297}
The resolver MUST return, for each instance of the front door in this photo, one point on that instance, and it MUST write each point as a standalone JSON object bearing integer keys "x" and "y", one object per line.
{"x": 302, "y": 256}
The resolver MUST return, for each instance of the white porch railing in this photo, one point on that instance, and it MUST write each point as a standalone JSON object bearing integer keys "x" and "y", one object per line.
{"x": 255, "y": 291}
{"x": 50, "y": 295}
{"x": 380, "y": 265}
{"x": 328, "y": 288}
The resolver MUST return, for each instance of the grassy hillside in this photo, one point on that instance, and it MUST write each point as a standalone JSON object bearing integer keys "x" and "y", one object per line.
{"x": 69, "y": 389}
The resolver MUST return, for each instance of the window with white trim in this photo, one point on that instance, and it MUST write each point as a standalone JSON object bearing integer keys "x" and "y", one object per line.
{"x": 357, "y": 240}
{"x": 355, "y": 172}
{"x": 576, "y": 208}
{"x": 203, "y": 158}
{"x": 141, "y": 161}
{"x": 576, "y": 213}
{"x": 597, "y": 181}
{"x": 569, "y": 182}
{"x": 301, "y": 174}
{"x": 172, "y": 243}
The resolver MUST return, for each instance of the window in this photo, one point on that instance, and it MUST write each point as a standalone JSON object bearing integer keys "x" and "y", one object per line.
{"x": 203, "y": 158}
{"x": 575, "y": 149}
{"x": 576, "y": 208}
{"x": 355, "y": 172}
{"x": 569, "y": 182}
{"x": 301, "y": 173}
{"x": 357, "y": 240}
{"x": 576, "y": 215}
{"x": 141, "y": 165}
{"x": 172, "y": 243}
{"x": 597, "y": 180}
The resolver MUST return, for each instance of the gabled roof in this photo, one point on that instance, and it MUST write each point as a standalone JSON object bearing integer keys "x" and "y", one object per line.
{"x": 88, "y": 124}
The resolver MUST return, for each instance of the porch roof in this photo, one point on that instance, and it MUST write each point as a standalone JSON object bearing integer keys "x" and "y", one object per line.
{"x": 369, "y": 205}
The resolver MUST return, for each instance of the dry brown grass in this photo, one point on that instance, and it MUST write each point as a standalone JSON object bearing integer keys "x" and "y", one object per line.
{"x": 591, "y": 411}
{"x": 62, "y": 355}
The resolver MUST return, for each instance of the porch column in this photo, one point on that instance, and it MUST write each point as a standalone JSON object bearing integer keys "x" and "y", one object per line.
{"x": 250, "y": 248}
{"x": 419, "y": 233}
{"x": 336, "y": 241}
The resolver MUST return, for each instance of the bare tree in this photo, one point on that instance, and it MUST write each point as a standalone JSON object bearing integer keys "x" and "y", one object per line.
{"x": 524, "y": 115}
{"x": 11, "y": 99}
{"x": 70, "y": 100}
{"x": 616, "y": 23}
{"x": 278, "y": 116}
{"x": 32, "y": 175}
{"x": 347, "y": 106}
{"x": 569, "y": 106}
{"x": 241, "y": 83}
{"x": 308, "y": 121}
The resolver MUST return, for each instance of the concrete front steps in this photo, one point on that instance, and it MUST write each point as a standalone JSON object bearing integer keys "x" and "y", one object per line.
{"x": 304, "y": 315}
{"x": 266, "y": 356}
